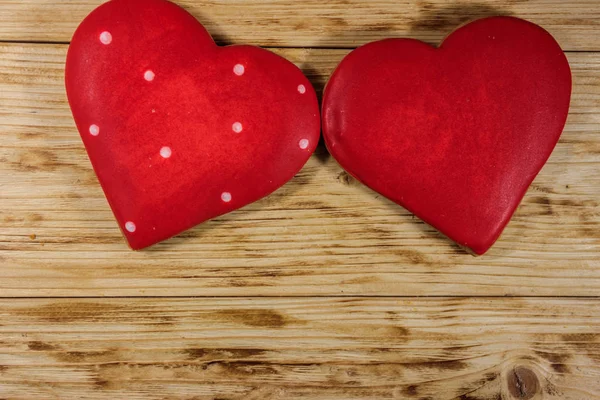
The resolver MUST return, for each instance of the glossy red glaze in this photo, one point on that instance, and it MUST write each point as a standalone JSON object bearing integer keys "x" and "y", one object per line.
{"x": 180, "y": 130}
{"x": 455, "y": 134}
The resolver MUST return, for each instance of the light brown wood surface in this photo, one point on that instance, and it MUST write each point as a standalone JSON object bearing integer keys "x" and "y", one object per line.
{"x": 322, "y": 233}
{"x": 320, "y": 23}
{"x": 317, "y": 348}
{"x": 324, "y": 290}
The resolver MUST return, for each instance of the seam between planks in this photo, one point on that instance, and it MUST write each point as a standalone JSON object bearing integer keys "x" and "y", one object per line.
{"x": 333, "y": 297}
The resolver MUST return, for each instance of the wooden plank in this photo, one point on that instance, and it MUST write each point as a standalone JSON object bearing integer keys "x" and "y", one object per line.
{"x": 322, "y": 233}
{"x": 317, "y": 23}
{"x": 282, "y": 348}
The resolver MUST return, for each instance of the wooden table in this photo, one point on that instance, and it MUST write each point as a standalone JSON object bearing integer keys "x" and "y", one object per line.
{"x": 324, "y": 290}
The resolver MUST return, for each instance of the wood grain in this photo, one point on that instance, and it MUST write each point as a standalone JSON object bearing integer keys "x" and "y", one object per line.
{"x": 317, "y": 23}
{"x": 321, "y": 234}
{"x": 326, "y": 348}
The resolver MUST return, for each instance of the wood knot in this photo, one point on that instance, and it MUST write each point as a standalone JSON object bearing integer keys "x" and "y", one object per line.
{"x": 522, "y": 383}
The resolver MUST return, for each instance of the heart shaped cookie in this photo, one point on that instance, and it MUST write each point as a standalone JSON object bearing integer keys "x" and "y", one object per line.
{"x": 454, "y": 134}
{"x": 180, "y": 130}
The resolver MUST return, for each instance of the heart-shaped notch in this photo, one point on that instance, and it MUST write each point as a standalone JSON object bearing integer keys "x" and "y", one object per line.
{"x": 455, "y": 134}
{"x": 180, "y": 130}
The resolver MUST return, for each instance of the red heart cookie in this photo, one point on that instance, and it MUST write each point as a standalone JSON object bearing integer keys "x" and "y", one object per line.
{"x": 454, "y": 134}
{"x": 180, "y": 130}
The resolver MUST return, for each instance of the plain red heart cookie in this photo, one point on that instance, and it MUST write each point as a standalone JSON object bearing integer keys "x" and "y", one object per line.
{"x": 180, "y": 130}
{"x": 454, "y": 134}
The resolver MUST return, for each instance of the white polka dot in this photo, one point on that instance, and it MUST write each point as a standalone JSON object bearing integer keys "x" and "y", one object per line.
{"x": 130, "y": 226}
{"x": 165, "y": 152}
{"x": 303, "y": 143}
{"x": 301, "y": 89}
{"x": 239, "y": 69}
{"x": 237, "y": 127}
{"x": 94, "y": 130}
{"x": 149, "y": 76}
{"x": 105, "y": 37}
{"x": 226, "y": 197}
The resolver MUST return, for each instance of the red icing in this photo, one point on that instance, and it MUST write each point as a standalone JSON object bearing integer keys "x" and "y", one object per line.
{"x": 176, "y": 133}
{"x": 454, "y": 134}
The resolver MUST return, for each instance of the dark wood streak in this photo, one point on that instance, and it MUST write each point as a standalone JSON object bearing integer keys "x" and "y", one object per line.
{"x": 32, "y": 160}
{"x": 74, "y": 312}
{"x": 586, "y": 342}
{"x": 40, "y": 346}
{"x": 36, "y": 160}
{"x": 264, "y": 318}
{"x": 491, "y": 376}
{"x": 451, "y": 365}
{"x": 346, "y": 179}
{"x": 337, "y": 22}
{"x": 203, "y": 353}
{"x": 565, "y": 205}
{"x": 87, "y": 356}
{"x": 447, "y": 19}
{"x": 411, "y": 390}
{"x": 557, "y": 361}
{"x": 547, "y": 204}
{"x": 468, "y": 391}
{"x": 468, "y": 396}
{"x": 35, "y": 217}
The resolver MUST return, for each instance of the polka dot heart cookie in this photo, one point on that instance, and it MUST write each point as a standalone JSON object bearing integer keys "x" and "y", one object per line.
{"x": 178, "y": 129}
